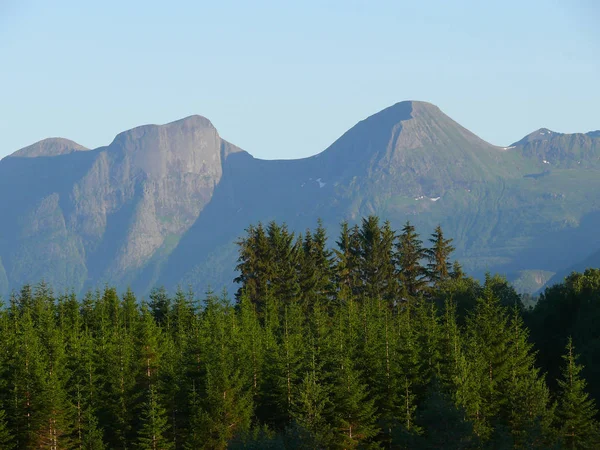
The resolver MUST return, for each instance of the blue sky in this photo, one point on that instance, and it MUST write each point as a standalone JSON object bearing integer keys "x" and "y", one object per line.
{"x": 285, "y": 79}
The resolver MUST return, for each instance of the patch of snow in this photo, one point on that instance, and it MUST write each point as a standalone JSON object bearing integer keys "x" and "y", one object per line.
{"x": 420, "y": 198}
{"x": 321, "y": 184}
{"x": 435, "y": 199}
{"x": 508, "y": 148}
{"x": 545, "y": 162}
{"x": 541, "y": 132}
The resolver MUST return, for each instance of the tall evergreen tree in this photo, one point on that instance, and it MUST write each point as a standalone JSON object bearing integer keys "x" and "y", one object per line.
{"x": 376, "y": 259}
{"x": 409, "y": 256}
{"x": 254, "y": 265}
{"x": 576, "y": 412}
{"x": 154, "y": 425}
{"x": 439, "y": 267}
{"x": 6, "y": 438}
{"x": 348, "y": 277}
{"x": 316, "y": 268}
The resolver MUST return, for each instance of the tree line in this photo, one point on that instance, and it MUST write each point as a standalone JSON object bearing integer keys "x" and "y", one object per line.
{"x": 379, "y": 342}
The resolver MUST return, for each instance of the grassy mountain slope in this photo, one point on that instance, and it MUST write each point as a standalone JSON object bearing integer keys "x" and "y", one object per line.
{"x": 506, "y": 210}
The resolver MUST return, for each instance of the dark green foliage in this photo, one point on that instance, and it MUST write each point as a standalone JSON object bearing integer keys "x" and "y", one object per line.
{"x": 361, "y": 349}
{"x": 6, "y": 438}
{"x": 153, "y": 432}
{"x": 571, "y": 309}
{"x": 576, "y": 412}
{"x": 410, "y": 255}
{"x": 439, "y": 266}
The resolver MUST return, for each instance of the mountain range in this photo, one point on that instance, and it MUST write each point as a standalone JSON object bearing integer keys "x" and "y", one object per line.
{"x": 164, "y": 204}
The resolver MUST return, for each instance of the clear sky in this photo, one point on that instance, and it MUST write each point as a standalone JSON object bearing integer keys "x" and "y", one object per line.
{"x": 284, "y": 79}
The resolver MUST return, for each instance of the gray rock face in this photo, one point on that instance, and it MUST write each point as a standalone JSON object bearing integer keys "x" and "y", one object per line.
{"x": 165, "y": 204}
{"x": 49, "y": 147}
{"x": 127, "y": 205}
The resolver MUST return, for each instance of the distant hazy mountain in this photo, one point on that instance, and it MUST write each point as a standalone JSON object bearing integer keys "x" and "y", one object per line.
{"x": 165, "y": 204}
{"x": 49, "y": 147}
{"x": 591, "y": 261}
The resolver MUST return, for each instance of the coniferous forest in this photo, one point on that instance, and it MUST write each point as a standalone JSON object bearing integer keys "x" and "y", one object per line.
{"x": 376, "y": 340}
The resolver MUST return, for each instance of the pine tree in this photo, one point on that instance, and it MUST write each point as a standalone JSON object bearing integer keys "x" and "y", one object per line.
{"x": 409, "y": 254}
{"x": 529, "y": 412}
{"x": 355, "y": 411}
{"x": 576, "y": 412}
{"x": 316, "y": 268}
{"x": 485, "y": 368}
{"x": 160, "y": 305}
{"x": 254, "y": 265}
{"x": 355, "y": 414}
{"x": 118, "y": 369}
{"x": 225, "y": 405}
{"x": 153, "y": 432}
{"x": 347, "y": 273}
{"x": 6, "y": 438}
{"x": 439, "y": 267}
{"x": 376, "y": 259}
{"x": 443, "y": 423}
{"x": 92, "y": 436}
{"x": 409, "y": 374}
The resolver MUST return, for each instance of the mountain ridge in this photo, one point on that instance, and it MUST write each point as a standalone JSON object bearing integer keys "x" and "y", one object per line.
{"x": 164, "y": 204}
{"x": 48, "y": 147}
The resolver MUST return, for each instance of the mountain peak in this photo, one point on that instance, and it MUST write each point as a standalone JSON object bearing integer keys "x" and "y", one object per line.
{"x": 543, "y": 134}
{"x": 49, "y": 147}
{"x": 186, "y": 125}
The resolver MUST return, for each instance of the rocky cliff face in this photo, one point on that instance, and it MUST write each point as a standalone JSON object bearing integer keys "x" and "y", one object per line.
{"x": 126, "y": 207}
{"x": 164, "y": 204}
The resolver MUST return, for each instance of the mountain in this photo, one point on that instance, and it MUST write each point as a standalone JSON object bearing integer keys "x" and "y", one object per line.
{"x": 165, "y": 204}
{"x": 591, "y": 261}
{"x": 49, "y": 147}
{"x": 77, "y": 218}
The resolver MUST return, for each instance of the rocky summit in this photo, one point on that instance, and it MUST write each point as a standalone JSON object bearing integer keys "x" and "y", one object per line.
{"x": 164, "y": 204}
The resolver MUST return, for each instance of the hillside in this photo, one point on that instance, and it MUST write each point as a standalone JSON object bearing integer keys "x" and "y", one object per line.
{"x": 165, "y": 204}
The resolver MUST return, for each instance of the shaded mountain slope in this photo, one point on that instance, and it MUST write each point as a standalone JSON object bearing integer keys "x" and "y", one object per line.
{"x": 591, "y": 261}
{"x": 409, "y": 161}
{"x": 165, "y": 204}
{"x": 81, "y": 218}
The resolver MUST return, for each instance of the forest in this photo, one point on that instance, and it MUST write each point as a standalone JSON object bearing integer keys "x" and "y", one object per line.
{"x": 376, "y": 341}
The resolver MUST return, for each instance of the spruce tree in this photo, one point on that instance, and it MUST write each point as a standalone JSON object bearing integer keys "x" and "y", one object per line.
{"x": 6, "y": 438}
{"x": 409, "y": 256}
{"x": 485, "y": 369}
{"x": 439, "y": 267}
{"x": 529, "y": 411}
{"x": 576, "y": 412}
{"x": 225, "y": 405}
{"x": 160, "y": 305}
{"x": 347, "y": 273}
{"x": 355, "y": 413}
{"x": 91, "y": 436}
{"x": 316, "y": 268}
{"x": 376, "y": 259}
{"x": 154, "y": 425}
{"x": 254, "y": 265}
